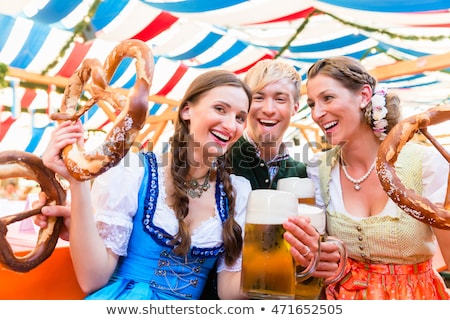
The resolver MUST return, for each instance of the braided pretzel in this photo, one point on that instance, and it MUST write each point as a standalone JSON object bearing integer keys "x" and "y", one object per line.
{"x": 83, "y": 164}
{"x": 416, "y": 206}
{"x": 28, "y": 166}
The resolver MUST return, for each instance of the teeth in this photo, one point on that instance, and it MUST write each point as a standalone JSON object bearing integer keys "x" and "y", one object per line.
{"x": 329, "y": 124}
{"x": 268, "y": 121}
{"x": 221, "y": 136}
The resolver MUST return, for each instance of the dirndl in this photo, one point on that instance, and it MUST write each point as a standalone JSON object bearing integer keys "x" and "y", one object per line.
{"x": 364, "y": 281}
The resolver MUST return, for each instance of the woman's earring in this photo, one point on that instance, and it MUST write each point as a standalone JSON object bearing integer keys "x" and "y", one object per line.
{"x": 362, "y": 106}
{"x": 214, "y": 164}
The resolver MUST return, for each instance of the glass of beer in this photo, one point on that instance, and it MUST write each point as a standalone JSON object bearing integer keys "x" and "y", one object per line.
{"x": 303, "y": 188}
{"x": 268, "y": 268}
{"x": 310, "y": 288}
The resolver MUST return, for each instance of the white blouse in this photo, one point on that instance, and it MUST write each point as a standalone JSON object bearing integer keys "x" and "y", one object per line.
{"x": 434, "y": 176}
{"x": 115, "y": 201}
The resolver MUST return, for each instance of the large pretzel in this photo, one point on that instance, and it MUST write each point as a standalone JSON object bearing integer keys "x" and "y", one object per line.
{"x": 87, "y": 164}
{"x": 81, "y": 164}
{"x": 416, "y": 206}
{"x": 26, "y": 165}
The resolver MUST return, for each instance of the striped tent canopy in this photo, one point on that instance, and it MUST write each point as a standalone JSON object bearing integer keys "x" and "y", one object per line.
{"x": 405, "y": 43}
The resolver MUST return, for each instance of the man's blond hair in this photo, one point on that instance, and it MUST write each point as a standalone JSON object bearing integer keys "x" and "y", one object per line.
{"x": 268, "y": 71}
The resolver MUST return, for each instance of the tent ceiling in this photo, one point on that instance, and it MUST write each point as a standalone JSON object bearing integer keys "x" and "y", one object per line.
{"x": 191, "y": 36}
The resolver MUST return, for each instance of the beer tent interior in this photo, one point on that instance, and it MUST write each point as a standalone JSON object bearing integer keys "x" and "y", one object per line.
{"x": 405, "y": 44}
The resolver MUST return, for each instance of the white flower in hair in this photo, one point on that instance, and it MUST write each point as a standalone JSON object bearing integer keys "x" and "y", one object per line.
{"x": 379, "y": 112}
{"x": 380, "y": 124}
{"x": 378, "y": 106}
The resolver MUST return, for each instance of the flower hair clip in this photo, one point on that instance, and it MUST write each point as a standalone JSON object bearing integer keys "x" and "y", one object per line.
{"x": 379, "y": 112}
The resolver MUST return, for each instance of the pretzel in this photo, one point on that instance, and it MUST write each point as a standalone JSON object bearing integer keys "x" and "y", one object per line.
{"x": 420, "y": 208}
{"x": 26, "y": 165}
{"x": 87, "y": 164}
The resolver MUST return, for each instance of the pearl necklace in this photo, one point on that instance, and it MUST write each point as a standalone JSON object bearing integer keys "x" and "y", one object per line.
{"x": 357, "y": 182}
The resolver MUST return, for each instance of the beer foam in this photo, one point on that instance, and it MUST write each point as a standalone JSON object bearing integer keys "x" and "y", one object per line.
{"x": 301, "y": 187}
{"x": 316, "y": 214}
{"x": 268, "y": 206}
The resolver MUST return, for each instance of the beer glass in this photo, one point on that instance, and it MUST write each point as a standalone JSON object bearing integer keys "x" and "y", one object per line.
{"x": 268, "y": 268}
{"x": 303, "y": 188}
{"x": 310, "y": 288}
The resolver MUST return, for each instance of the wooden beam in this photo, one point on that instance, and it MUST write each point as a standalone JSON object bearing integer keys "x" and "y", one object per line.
{"x": 158, "y": 123}
{"x": 397, "y": 69}
{"x": 168, "y": 115}
{"x": 408, "y": 67}
{"x": 62, "y": 83}
{"x": 37, "y": 78}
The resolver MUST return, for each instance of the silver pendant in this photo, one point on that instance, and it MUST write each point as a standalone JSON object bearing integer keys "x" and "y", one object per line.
{"x": 194, "y": 193}
{"x": 357, "y": 187}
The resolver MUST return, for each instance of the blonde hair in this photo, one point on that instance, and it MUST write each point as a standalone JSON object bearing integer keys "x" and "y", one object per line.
{"x": 268, "y": 71}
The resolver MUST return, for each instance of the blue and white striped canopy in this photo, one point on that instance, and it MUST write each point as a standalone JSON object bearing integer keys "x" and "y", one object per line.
{"x": 190, "y": 36}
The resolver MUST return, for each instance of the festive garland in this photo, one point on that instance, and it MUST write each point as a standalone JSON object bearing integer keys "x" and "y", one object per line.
{"x": 85, "y": 23}
{"x": 386, "y": 32}
{"x": 3, "y": 72}
{"x": 357, "y": 26}
{"x": 297, "y": 32}
{"x": 78, "y": 30}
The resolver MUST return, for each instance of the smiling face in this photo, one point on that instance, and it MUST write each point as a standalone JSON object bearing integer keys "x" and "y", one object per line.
{"x": 216, "y": 119}
{"x": 336, "y": 109}
{"x": 271, "y": 110}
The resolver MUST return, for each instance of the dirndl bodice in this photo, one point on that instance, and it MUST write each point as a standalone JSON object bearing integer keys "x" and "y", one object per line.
{"x": 151, "y": 270}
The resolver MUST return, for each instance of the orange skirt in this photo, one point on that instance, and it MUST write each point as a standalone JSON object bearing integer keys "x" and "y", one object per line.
{"x": 363, "y": 281}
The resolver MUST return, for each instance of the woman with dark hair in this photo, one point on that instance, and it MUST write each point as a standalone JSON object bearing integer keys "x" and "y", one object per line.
{"x": 153, "y": 226}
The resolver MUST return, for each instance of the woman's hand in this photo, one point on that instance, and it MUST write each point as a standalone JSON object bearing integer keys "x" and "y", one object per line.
{"x": 52, "y": 211}
{"x": 328, "y": 261}
{"x": 304, "y": 238}
{"x": 64, "y": 134}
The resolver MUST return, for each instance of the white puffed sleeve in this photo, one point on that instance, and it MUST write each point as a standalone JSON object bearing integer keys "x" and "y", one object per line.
{"x": 242, "y": 189}
{"x": 115, "y": 201}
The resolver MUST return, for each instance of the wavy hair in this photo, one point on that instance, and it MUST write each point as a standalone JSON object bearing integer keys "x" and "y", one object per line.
{"x": 232, "y": 232}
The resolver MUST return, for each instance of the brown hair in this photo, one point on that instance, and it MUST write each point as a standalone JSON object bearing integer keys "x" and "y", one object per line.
{"x": 352, "y": 75}
{"x": 232, "y": 232}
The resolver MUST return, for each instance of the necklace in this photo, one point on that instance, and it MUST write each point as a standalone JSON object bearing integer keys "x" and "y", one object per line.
{"x": 194, "y": 189}
{"x": 357, "y": 182}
